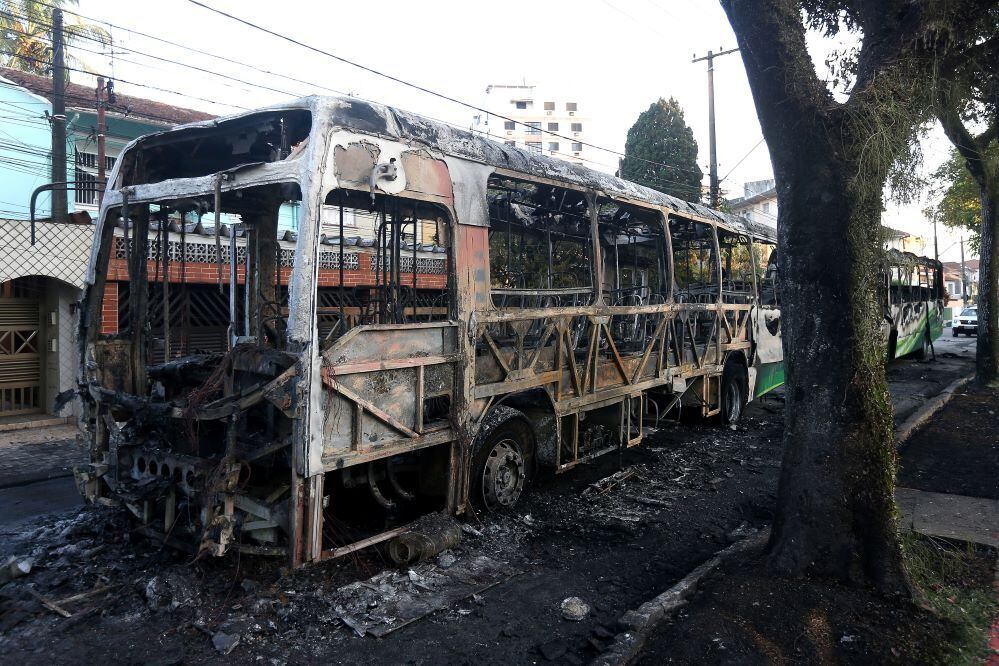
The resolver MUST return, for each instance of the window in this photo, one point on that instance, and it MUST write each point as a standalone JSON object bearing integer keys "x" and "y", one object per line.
{"x": 766, "y": 208}
{"x": 88, "y": 189}
{"x": 553, "y": 145}
{"x": 394, "y": 271}
{"x": 570, "y": 106}
{"x": 549, "y": 106}
{"x": 540, "y": 250}
{"x": 577, "y": 127}
{"x": 695, "y": 261}
{"x": 534, "y": 127}
{"x": 736, "y": 267}
{"x": 576, "y": 147}
{"x": 534, "y": 146}
{"x": 765, "y": 256}
{"x": 509, "y": 125}
{"x": 510, "y": 143}
{"x": 633, "y": 245}
{"x": 521, "y": 105}
{"x": 552, "y": 127}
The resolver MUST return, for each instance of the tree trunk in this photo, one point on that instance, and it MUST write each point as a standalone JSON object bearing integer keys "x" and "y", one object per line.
{"x": 835, "y": 505}
{"x": 987, "y": 351}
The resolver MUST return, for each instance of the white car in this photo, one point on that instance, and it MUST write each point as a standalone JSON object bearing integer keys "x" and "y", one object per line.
{"x": 966, "y": 322}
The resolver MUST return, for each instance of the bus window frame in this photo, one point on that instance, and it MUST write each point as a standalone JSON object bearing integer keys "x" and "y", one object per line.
{"x": 595, "y": 263}
{"x": 450, "y": 225}
{"x": 661, "y": 218}
{"x": 672, "y": 258}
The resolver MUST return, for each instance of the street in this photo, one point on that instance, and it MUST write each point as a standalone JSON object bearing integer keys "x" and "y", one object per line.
{"x": 689, "y": 490}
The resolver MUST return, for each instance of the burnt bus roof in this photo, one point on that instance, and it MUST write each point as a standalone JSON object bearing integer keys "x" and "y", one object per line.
{"x": 905, "y": 258}
{"x": 369, "y": 118}
{"x": 366, "y": 117}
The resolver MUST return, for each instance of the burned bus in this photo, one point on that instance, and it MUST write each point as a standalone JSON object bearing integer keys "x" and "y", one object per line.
{"x": 913, "y": 301}
{"x": 307, "y": 326}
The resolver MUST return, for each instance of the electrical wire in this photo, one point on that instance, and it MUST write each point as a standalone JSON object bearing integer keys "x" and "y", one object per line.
{"x": 758, "y": 144}
{"x": 131, "y": 83}
{"x": 193, "y": 49}
{"x": 154, "y": 57}
{"x": 652, "y": 183}
{"x": 312, "y": 84}
{"x": 408, "y": 84}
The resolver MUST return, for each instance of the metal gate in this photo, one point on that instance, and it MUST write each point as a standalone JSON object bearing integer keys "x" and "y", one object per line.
{"x": 20, "y": 356}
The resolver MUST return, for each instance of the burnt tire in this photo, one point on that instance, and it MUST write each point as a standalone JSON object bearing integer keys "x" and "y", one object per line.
{"x": 734, "y": 390}
{"x": 502, "y": 459}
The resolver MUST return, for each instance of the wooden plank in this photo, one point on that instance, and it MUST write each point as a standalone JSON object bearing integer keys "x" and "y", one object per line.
{"x": 48, "y": 603}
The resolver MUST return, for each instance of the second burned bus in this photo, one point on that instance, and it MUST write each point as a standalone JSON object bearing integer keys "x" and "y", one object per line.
{"x": 449, "y": 315}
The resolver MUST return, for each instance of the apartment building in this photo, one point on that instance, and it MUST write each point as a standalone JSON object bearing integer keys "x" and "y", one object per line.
{"x": 521, "y": 116}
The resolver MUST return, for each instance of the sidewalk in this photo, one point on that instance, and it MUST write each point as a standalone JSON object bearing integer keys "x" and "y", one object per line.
{"x": 37, "y": 454}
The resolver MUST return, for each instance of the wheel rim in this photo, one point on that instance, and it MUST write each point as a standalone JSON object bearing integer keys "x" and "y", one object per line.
{"x": 503, "y": 475}
{"x": 733, "y": 401}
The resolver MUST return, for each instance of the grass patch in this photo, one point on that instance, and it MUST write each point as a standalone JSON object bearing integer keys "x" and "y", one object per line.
{"x": 954, "y": 582}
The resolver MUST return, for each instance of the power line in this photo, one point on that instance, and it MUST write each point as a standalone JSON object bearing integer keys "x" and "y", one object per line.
{"x": 408, "y": 84}
{"x": 758, "y": 143}
{"x": 131, "y": 83}
{"x": 193, "y": 49}
{"x": 182, "y": 64}
{"x": 87, "y": 101}
{"x": 156, "y": 57}
{"x": 313, "y": 84}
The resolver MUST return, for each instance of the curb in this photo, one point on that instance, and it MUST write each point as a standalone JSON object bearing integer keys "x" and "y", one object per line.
{"x": 929, "y": 408}
{"x": 28, "y": 479}
{"x": 37, "y": 423}
{"x": 639, "y": 623}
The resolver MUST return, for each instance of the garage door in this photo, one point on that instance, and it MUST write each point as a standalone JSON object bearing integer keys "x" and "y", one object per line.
{"x": 20, "y": 356}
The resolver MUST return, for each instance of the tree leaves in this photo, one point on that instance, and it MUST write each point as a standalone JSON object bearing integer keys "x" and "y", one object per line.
{"x": 661, "y": 152}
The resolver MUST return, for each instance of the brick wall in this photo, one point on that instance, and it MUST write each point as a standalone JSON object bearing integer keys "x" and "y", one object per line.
{"x": 109, "y": 309}
{"x": 199, "y": 273}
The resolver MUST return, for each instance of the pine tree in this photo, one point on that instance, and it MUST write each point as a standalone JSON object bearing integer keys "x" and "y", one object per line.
{"x": 661, "y": 152}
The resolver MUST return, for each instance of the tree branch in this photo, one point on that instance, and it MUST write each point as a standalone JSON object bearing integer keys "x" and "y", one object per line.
{"x": 771, "y": 37}
{"x": 966, "y": 144}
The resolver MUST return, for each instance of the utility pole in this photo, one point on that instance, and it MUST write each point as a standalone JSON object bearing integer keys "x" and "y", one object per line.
{"x": 936, "y": 248}
{"x": 715, "y": 191}
{"x": 964, "y": 277}
{"x": 101, "y": 148}
{"x": 59, "y": 203}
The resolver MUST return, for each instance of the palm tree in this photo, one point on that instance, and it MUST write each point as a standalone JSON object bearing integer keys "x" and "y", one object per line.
{"x": 26, "y": 32}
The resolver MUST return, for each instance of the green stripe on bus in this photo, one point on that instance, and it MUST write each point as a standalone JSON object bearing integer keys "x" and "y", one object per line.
{"x": 769, "y": 377}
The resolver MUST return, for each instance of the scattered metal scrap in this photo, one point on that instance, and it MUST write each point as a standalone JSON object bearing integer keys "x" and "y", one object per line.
{"x": 392, "y": 599}
{"x": 607, "y": 484}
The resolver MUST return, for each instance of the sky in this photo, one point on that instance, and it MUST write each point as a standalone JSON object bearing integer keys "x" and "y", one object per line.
{"x": 615, "y": 56}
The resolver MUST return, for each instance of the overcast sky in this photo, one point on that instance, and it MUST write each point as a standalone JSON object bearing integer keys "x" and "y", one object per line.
{"x": 615, "y": 56}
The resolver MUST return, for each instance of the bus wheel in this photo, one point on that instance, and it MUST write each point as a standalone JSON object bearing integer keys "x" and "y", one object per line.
{"x": 500, "y": 460}
{"x": 733, "y": 393}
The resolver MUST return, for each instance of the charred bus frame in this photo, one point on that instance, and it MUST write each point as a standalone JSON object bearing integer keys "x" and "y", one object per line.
{"x": 502, "y": 311}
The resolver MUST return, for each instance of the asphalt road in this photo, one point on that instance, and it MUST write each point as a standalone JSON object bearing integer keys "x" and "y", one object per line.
{"x": 21, "y": 503}
{"x": 911, "y": 383}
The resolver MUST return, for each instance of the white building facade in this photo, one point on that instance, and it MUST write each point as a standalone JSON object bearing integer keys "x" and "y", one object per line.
{"x": 758, "y": 202}
{"x": 520, "y": 116}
